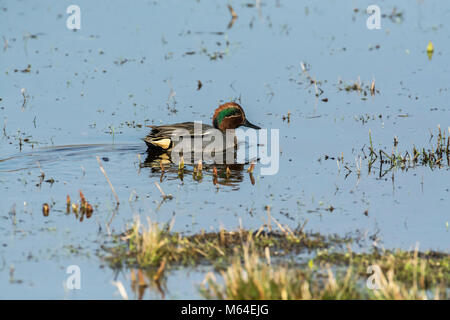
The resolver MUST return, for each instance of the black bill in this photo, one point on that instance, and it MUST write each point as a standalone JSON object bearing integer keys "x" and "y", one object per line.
{"x": 250, "y": 125}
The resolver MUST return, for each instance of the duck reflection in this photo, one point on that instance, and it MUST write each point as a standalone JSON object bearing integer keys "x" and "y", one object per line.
{"x": 160, "y": 163}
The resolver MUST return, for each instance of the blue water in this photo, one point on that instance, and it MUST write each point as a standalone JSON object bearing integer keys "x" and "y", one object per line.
{"x": 135, "y": 65}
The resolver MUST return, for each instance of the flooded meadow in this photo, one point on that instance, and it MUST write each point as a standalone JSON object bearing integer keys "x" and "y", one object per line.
{"x": 363, "y": 149}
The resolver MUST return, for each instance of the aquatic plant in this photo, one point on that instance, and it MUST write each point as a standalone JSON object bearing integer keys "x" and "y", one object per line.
{"x": 251, "y": 278}
{"x": 250, "y": 266}
{"x": 436, "y": 155}
{"x": 147, "y": 246}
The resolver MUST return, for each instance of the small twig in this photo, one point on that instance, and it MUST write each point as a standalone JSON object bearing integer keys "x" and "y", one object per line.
{"x": 121, "y": 289}
{"x": 269, "y": 219}
{"x": 22, "y": 91}
{"x": 372, "y": 87}
{"x": 5, "y": 45}
{"x": 107, "y": 179}
{"x": 160, "y": 189}
{"x": 165, "y": 196}
{"x": 234, "y": 16}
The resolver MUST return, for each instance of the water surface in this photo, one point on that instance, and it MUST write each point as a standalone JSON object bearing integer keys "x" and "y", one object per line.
{"x": 91, "y": 92}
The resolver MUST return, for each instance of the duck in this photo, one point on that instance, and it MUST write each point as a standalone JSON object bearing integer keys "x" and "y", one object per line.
{"x": 229, "y": 115}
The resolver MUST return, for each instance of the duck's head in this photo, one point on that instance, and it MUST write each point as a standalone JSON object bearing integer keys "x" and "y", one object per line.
{"x": 230, "y": 115}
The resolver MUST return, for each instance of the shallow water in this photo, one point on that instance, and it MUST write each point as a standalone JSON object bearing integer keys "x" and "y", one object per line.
{"x": 91, "y": 92}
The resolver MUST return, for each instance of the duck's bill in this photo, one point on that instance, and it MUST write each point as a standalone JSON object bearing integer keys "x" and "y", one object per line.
{"x": 250, "y": 125}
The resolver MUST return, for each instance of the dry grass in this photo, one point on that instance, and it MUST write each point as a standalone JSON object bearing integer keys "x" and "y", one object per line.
{"x": 413, "y": 268}
{"x": 148, "y": 245}
{"x": 250, "y": 266}
{"x": 256, "y": 279}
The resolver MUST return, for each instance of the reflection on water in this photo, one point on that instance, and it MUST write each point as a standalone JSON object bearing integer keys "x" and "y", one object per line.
{"x": 159, "y": 163}
{"x": 107, "y": 83}
{"x": 223, "y": 174}
{"x": 153, "y": 279}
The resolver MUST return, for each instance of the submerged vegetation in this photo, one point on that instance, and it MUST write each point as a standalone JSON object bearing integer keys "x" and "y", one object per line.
{"x": 75, "y": 103}
{"x": 360, "y": 87}
{"x": 436, "y": 155}
{"x": 149, "y": 246}
{"x": 255, "y": 278}
{"x": 423, "y": 269}
{"x": 247, "y": 261}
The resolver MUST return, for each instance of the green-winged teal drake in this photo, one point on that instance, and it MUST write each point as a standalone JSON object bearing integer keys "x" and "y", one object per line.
{"x": 229, "y": 115}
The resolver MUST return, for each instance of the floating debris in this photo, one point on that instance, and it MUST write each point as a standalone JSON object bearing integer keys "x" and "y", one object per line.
{"x": 26, "y": 70}
{"x": 394, "y": 16}
{"x": 89, "y": 210}
{"x": 83, "y": 208}
{"x": 234, "y": 16}
{"x": 430, "y": 50}
{"x": 287, "y": 117}
{"x": 360, "y": 87}
{"x": 305, "y": 69}
{"x": 372, "y": 87}
{"x": 68, "y": 205}
{"x": 83, "y": 199}
{"x": 45, "y": 209}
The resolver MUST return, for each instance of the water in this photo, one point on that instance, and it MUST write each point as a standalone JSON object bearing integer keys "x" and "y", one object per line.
{"x": 91, "y": 92}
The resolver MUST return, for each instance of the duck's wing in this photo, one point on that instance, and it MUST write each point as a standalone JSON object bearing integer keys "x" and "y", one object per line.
{"x": 161, "y": 136}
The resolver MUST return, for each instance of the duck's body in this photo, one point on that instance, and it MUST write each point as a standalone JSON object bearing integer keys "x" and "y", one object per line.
{"x": 227, "y": 116}
{"x": 162, "y": 138}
